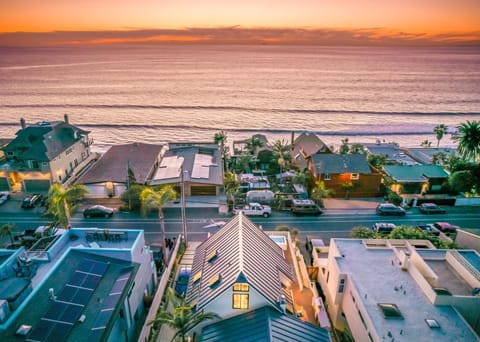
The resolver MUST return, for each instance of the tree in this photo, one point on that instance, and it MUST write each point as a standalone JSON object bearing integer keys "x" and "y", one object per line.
{"x": 426, "y": 143}
{"x": 253, "y": 144}
{"x": 461, "y": 181}
{"x": 184, "y": 318}
{"x": 281, "y": 154}
{"x": 6, "y": 230}
{"x": 394, "y": 198}
{"x": 362, "y": 233}
{"x": 439, "y": 158}
{"x": 408, "y": 233}
{"x": 348, "y": 186}
{"x": 440, "y": 131}
{"x": 61, "y": 200}
{"x": 155, "y": 200}
{"x": 221, "y": 139}
{"x": 319, "y": 192}
{"x": 231, "y": 186}
{"x": 468, "y": 138}
{"x": 132, "y": 196}
{"x": 377, "y": 160}
{"x": 344, "y": 147}
{"x": 244, "y": 163}
{"x": 357, "y": 149}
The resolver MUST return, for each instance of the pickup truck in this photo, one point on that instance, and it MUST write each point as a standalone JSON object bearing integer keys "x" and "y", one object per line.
{"x": 254, "y": 209}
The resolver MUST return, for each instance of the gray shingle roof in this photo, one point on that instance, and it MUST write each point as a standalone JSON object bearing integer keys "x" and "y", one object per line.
{"x": 341, "y": 163}
{"x": 264, "y": 324}
{"x": 44, "y": 141}
{"x": 414, "y": 173}
{"x": 113, "y": 165}
{"x": 243, "y": 251}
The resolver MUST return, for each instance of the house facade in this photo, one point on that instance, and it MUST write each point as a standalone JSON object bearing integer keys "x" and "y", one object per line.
{"x": 44, "y": 153}
{"x": 346, "y": 174}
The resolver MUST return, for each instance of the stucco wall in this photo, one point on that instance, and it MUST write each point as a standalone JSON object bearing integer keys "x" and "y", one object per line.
{"x": 467, "y": 240}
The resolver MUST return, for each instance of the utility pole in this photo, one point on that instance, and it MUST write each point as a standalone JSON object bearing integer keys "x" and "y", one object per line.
{"x": 184, "y": 215}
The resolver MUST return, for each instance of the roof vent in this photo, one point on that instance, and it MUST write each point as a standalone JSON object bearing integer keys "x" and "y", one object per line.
{"x": 432, "y": 323}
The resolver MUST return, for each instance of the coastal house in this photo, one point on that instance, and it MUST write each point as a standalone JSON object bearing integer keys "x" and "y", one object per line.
{"x": 44, "y": 153}
{"x": 84, "y": 285}
{"x": 416, "y": 179}
{"x": 386, "y": 290}
{"x": 431, "y": 155}
{"x": 391, "y": 151}
{"x": 121, "y": 164}
{"x": 201, "y": 164}
{"x": 306, "y": 145}
{"x": 346, "y": 174}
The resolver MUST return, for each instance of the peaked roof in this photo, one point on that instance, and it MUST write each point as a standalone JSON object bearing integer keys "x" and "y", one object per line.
{"x": 113, "y": 165}
{"x": 341, "y": 163}
{"x": 244, "y": 252}
{"x": 308, "y": 144}
{"x": 44, "y": 140}
{"x": 414, "y": 173}
{"x": 264, "y": 324}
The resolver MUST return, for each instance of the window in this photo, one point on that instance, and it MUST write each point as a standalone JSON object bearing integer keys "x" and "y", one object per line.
{"x": 241, "y": 287}
{"x": 362, "y": 319}
{"x": 328, "y": 276}
{"x": 212, "y": 256}
{"x": 326, "y": 176}
{"x": 240, "y": 301}
{"x": 197, "y": 277}
{"x": 214, "y": 280}
{"x": 390, "y": 310}
{"x": 370, "y": 337}
{"x": 354, "y": 176}
{"x": 35, "y": 164}
{"x": 341, "y": 286}
{"x": 9, "y": 153}
{"x": 353, "y": 298}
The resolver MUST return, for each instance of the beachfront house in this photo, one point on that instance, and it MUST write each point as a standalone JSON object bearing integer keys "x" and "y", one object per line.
{"x": 306, "y": 145}
{"x": 416, "y": 179}
{"x": 120, "y": 167}
{"x": 346, "y": 174}
{"x": 44, "y": 153}
{"x": 201, "y": 164}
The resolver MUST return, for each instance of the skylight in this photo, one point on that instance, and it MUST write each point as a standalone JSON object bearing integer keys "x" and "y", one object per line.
{"x": 390, "y": 310}
{"x": 432, "y": 323}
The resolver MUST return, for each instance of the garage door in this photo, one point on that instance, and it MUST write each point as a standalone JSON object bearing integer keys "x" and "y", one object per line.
{"x": 36, "y": 185}
{"x": 119, "y": 189}
{"x": 4, "y": 184}
{"x": 97, "y": 191}
{"x": 204, "y": 190}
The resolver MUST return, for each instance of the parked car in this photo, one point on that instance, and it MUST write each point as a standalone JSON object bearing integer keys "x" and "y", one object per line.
{"x": 254, "y": 209}
{"x": 390, "y": 209}
{"x": 98, "y": 211}
{"x": 305, "y": 207}
{"x": 383, "y": 227}
{"x": 181, "y": 284}
{"x": 428, "y": 228}
{"x": 4, "y": 196}
{"x": 30, "y": 202}
{"x": 446, "y": 227}
{"x": 431, "y": 208}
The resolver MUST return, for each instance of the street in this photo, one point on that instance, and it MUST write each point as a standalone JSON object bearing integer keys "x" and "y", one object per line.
{"x": 333, "y": 223}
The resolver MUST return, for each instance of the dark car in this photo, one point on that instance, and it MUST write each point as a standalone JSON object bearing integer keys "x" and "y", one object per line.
{"x": 431, "y": 208}
{"x": 181, "y": 284}
{"x": 390, "y": 209}
{"x": 305, "y": 207}
{"x": 98, "y": 211}
{"x": 31, "y": 201}
{"x": 429, "y": 229}
{"x": 446, "y": 227}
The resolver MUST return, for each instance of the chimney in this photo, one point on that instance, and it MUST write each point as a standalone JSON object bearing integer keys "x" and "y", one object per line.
{"x": 22, "y": 123}
{"x": 65, "y": 117}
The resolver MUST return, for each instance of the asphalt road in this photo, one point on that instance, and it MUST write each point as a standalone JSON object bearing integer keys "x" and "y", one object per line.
{"x": 333, "y": 223}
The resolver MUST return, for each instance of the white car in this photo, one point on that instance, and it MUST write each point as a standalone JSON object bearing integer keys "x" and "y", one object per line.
{"x": 4, "y": 196}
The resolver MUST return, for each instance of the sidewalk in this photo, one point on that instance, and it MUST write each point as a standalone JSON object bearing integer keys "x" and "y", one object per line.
{"x": 352, "y": 203}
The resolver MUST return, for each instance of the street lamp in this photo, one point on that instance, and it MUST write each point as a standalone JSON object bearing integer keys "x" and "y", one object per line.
{"x": 184, "y": 215}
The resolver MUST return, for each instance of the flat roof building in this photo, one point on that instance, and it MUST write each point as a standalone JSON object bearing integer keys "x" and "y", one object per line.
{"x": 399, "y": 290}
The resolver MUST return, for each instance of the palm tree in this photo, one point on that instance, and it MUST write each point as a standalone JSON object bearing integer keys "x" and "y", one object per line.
{"x": 61, "y": 200}
{"x": 319, "y": 192}
{"x": 156, "y": 199}
{"x": 221, "y": 138}
{"x": 183, "y": 319}
{"x": 344, "y": 148}
{"x": 440, "y": 131}
{"x": 426, "y": 143}
{"x": 468, "y": 137}
{"x": 281, "y": 153}
{"x": 6, "y": 230}
{"x": 253, "y": 144}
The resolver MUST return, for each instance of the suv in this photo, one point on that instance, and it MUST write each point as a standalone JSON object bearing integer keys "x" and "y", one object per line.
{"x": 383, "y": 227}
{"x": 390, "y": 209}
{"x": 31, "y": 201}
{"x": 305, "y": 207}
{"x": 431, "y": 208}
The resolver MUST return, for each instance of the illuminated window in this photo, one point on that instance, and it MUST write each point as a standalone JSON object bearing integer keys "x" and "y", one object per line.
{"x": 197, "y": 277}
{"x": 240, "y": 287}
{"x": 240, "y": 301}
{"x": 354, "y": 176}
{"x": 212, "y": 256}
{"x": 326, "y": 176}
{"x": 214, "y": 280}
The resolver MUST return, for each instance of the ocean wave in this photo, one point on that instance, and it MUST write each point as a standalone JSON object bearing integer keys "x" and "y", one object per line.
{"x": 238, "y": 130}
{"x": 234, "y": 108}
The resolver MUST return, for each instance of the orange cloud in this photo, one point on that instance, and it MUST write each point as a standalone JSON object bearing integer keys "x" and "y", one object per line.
{"x": 242, "y": 35}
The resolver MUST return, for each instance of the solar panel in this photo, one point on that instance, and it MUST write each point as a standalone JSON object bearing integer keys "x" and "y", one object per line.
{"x": 86, "y": 265}
{"x": 41, "y": 331}
{"x": 77, "y": 279}
{"x": 82, "y": 296}
{"x": 102, "y": 319}
{"x": 63, "y": 312}
{"x": 111, "y": 301}
{"x": 92, "y": 266}
{"x": 91, "y": 281}
{"x": 60, "y": 332}
{"x": 119, "y": 286}
{"x": 99, "y": 268}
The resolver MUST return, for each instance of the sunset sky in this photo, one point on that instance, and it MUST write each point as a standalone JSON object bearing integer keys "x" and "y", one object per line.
{"x": 63, "y": 22}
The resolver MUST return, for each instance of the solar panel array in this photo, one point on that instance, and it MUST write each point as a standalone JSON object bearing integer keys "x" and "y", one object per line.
{"x": 109, "y": 304}
{"x": 169, "y": 167}
{"x": 201, "y": 166}
{"x": 67, "y": 307}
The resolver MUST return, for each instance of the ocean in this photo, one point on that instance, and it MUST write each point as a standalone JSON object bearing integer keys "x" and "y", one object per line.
{"x": 157, "y": 94}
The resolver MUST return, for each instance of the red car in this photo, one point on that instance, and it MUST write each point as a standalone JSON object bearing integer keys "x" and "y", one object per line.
{"x": 446, "y": 227}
